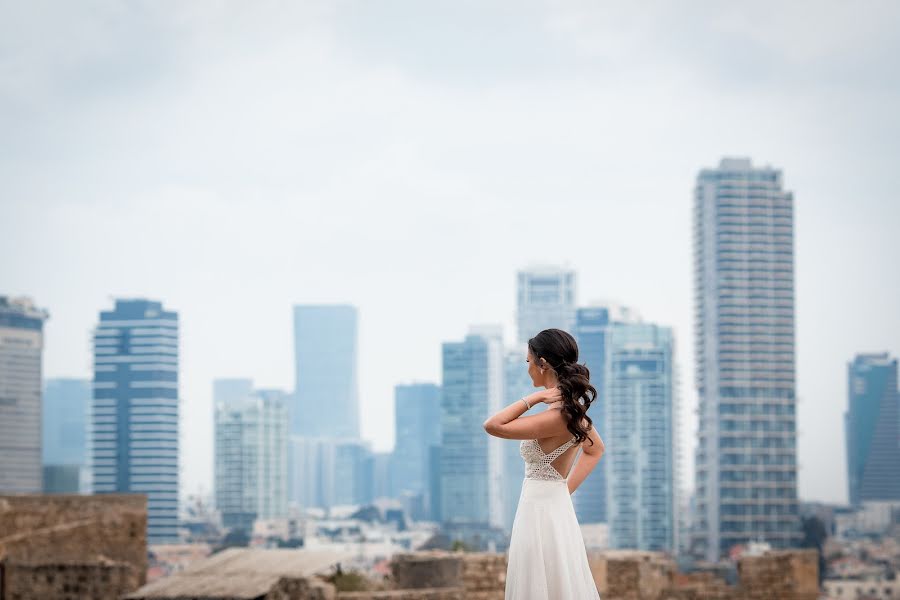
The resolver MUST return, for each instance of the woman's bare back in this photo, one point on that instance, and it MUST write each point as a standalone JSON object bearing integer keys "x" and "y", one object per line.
{"x": 564, "y": 461}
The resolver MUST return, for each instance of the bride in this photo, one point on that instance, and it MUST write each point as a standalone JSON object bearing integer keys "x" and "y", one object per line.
{"x": 547, "y": 559}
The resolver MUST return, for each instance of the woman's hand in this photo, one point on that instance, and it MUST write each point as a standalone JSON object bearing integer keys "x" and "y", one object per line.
{"x": 550, "y": 395}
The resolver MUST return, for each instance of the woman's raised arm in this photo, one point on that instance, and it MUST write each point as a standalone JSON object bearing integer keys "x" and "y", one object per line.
{"x": 509, "y": 424}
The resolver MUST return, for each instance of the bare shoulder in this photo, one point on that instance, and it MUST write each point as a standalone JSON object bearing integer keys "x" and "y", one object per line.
{"x": 554, "y": 425}
{"x": 554, "y": 415}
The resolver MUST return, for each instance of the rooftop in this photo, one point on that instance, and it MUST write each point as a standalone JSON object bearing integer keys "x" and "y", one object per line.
{"x": 240, "y": 573}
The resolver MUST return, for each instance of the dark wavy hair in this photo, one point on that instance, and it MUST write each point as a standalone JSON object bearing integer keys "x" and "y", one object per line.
{"x": 560, "y": 350}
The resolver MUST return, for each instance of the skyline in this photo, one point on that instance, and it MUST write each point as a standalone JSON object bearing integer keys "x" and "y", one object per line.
{"x": 177, "y": 153}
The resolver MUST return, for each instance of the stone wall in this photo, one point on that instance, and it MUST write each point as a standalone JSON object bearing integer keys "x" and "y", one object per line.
{"x": 620, "y": 575}
{"x": 71, "y": 546}
{"x": 480, "y": 575}
{"x": 631, "y": 575}
{"x": 301, "y": 588}
{"x": 456, "y": 593}
{"x": 81, "y": 582}
{"x": 786, "y": 575}
{"x": 698, "y": 586}
{"x": 432, "y": 569}
{"x": 63, "y": 528}
{"x": 484, "y": 575}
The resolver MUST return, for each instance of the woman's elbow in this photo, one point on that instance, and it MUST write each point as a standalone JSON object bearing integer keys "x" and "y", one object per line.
{"x": 495, "y": 429}
{"x": 598, "y": 449}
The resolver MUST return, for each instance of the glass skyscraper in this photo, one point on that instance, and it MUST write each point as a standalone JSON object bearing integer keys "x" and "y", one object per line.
{"x": 641, "y": 419}
{"x": 591, "y": 329}
{"x": 746, "y": 458}
{"x": 517, "y": 384}
{"x": 545, "y": 298}
{"x": 21, "y": 351}
{"x": 471, "y": 460}
{"x": 329, "y": 471}
{"x": 325, "y": 345}
{"x": 67, "y": 405}
{"x": 872, "y": 425}
{"x": 135, "y": 410}
{"x": 251, "y": 453}
{"x": 417, "y": 426}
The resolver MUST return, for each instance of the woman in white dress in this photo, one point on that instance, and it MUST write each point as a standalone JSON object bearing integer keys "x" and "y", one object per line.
{"x": 547, "y": 559}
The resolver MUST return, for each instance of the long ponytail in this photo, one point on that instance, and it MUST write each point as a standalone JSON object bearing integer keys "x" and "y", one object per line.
{"x": 559, "y": 349}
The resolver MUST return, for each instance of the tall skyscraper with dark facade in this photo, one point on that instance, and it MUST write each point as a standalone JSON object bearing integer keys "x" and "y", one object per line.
{"x": 135, "y": 410}
{"x": 872, "y": 426}
{"x": 545, "y": 298}
{"x": 325, "y": 346}
{"x": 417, "y": 426}
{"x": 21, "y": 353}
{"x": 67, "y": 404}
{"x": 746, "y": 458}
{"x": 471, "y": 461}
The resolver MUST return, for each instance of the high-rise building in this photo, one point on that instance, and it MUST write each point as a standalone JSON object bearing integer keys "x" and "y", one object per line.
{"x": 327, "y": 471}
{"x": 545, "y": 299}
{"x": 67, "y": 403}
{"x": 135, "y": 410}
{"x": 434, "y": 483}
{"x": 348, "y": 469}
{"x": 417, "y": 425}
{"x": 304, "y": 472}
{"x": 231, "y": 390}
{"x": 517, "y": 384}
{"x": 872, "y": 424}
{"x": 383, "y": 475}
{"x": 641, "y": 418}
{"x": 251, "y": 453}
{"x": 21, "y": 350}
{"x": 591, "y": 330}
{"x": 746, "y": 458}
{"x": 325, "y": 345}
{"x": 471, "y": 461}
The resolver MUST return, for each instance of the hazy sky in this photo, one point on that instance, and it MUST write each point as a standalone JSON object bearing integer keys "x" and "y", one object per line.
{"x": 233, "y": 159}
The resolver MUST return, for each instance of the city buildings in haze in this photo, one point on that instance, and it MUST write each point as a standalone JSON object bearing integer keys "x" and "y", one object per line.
{"x": 251, "y": 446}
{"x": 746, "y": 457}
{"x": 591, "y": 331}
{"x": 324, "y": 472}
{"x": 66, "y": 430}
{"x": 471, "y": 462}
{"x": 135, "y": 410}
{"x": 872, "y": 427}
{"x": 545, "y": 298}
{"x": 516, "y": 384}
{"x": 325, "y": 352}
{"x": 417, "y": 426}
{"x": 641, "y": 414}
{"x": 21, "y": 353}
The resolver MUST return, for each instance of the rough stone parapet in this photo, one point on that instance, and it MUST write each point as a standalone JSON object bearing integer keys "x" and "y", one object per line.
{"x": 72, "y": 546}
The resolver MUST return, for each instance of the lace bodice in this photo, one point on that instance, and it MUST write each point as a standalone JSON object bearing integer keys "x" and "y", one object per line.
{"x": 537, "y": 464}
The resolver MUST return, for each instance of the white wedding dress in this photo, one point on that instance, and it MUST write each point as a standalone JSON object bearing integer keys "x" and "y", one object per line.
{"x": 547, "y": 559}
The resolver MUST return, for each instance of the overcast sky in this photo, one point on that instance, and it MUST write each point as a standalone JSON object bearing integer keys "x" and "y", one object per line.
{"x": 233, "y": 159}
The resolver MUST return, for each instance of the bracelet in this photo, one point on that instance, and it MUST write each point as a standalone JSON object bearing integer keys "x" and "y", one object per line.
{"x": 526, "y": 403}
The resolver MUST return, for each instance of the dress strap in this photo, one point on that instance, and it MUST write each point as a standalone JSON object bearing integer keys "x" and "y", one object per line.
{"x": 558, "y": 452}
